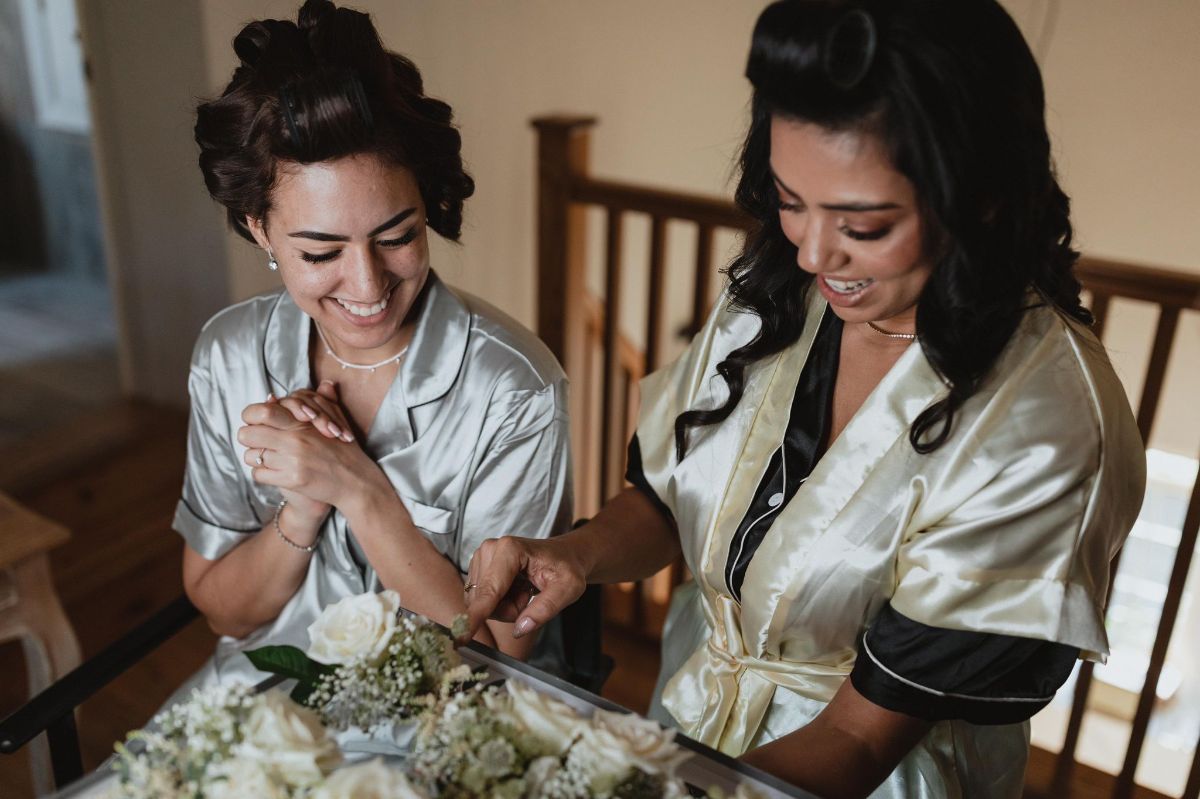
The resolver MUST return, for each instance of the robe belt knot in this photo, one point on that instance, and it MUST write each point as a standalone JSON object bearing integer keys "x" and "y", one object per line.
{"x": 722, "y": 692}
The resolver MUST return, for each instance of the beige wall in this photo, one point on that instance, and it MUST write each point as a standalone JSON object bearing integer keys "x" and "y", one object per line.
{"x": 164, "y": 243}
{"x": 664, "y": 77}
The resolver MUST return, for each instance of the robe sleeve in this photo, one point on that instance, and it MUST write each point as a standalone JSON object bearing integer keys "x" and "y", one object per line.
{"x": 214, "y": 513}
{"x": 522, "y": 485}
{"x": 1016, "y": 537}
{"x": 938, "y": 674}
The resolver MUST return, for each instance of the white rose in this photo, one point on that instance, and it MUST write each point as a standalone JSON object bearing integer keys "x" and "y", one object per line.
{"x": 239, "y": 777}
{"x": 675, "y": 789}
{"x": 552, "y": 722}
{"x": 370, "y": 780}
{"x": 500, "y": 705}
{"x": 650, "y": 747}
{"x": 288, "y": 740}
{"x": 602, "y": 758}
{"x": 540, "y": 772}
{"x": 357, "y": 626}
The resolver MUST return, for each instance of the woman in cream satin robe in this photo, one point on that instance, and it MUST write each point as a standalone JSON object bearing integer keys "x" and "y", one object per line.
{"x": 1008, "y": 528}
{"x": 896, "y": 461}
{"x": 366, "y": 426}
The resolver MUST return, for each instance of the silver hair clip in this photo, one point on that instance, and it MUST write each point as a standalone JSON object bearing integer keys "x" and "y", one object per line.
{"x": 288, "y": 103}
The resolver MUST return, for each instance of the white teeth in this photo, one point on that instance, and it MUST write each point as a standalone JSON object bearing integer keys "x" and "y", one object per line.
{"x": 847, "y": 286}
{"x": 365, "y": 310}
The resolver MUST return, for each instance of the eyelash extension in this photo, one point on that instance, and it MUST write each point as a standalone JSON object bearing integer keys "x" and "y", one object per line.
{"x": 869, "y": 235}
{"x": 407, "y": 238}
{"x": 325, "y": 257}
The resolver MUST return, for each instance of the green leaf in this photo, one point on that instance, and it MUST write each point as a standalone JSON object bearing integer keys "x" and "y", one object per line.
{"x": 289, "y": 662}
{"x": 302, "y": 691}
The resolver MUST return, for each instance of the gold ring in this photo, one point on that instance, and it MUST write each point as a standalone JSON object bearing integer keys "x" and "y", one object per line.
{"x": 469, "y": 587}
{"x": 261, "y": 454}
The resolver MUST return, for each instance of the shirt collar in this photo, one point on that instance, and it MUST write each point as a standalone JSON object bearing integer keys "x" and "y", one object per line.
{"x": 434, "y": 358}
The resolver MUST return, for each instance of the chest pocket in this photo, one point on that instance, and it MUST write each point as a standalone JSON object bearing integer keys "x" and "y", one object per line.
{"x": 430, "y": 518}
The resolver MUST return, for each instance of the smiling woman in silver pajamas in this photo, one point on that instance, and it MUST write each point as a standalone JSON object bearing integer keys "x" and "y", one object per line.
{"x": 367, "y": 426}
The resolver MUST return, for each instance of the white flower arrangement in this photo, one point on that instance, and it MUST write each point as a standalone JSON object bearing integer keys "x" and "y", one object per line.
{"x": 515, "y": 743}
{"x": 367, "y": 666}
{"x": 227, "y": 741}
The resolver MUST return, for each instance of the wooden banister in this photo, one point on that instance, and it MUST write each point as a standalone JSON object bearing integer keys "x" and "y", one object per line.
{"x": 563, "y": 144}
{"x": 658, "y": 202}
{"x": 1162, "y": 287}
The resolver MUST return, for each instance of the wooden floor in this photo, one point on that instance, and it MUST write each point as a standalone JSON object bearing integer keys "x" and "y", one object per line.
{"x": 113, "y": 478}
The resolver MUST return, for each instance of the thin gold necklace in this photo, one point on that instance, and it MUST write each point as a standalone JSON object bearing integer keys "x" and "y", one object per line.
{"x": 890, "y": 334}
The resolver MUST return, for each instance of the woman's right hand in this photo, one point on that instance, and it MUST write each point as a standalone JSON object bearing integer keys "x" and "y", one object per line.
{"x": 524, "y": 580}
{"x": 318, "y": 409}
{"x": 321, "y": 408}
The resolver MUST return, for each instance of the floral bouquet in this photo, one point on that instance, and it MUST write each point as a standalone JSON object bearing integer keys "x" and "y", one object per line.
{"x": 367, "y": 666}
{"x": 226, "y": 741}
{"x": 513, "y": 742}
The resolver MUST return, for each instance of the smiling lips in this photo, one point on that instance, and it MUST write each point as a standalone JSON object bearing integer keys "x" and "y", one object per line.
{"x": 359, "y": 309}
{"x": 848, "y": 286}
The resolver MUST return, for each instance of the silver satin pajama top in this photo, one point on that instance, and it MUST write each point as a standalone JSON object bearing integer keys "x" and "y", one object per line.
{"x": 473, "y": 434}
{"x": 1008, "y": 528}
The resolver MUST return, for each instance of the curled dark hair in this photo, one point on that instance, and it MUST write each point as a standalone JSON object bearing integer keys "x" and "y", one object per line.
{"x": 954, "y": 94}
{"x": 318, "y": 89}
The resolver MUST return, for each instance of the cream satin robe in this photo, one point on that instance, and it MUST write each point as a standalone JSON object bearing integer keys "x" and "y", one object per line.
{"x": 1008, "y": 528}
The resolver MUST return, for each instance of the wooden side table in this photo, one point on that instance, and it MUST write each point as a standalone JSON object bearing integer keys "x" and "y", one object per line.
{"x": 30, "y": 610}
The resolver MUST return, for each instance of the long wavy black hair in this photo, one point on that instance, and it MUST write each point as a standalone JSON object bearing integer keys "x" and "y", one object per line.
{"x": 954, "y": 93}
{"x": 317, "y": 89}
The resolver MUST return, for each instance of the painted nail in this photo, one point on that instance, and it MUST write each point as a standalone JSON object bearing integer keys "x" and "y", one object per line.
{"x": 271, "y": 397}
{"x": 309, "y": 412}
{"x": 524, "y": 625}
{"x": 346, "y": 436}
{"x": 333, "y": 428}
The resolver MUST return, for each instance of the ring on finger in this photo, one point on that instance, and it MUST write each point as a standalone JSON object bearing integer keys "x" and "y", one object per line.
{"x": 262, "y": 453}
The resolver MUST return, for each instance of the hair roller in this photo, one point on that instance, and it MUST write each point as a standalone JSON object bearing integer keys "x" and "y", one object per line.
{"x": 251, "y": 42}
{"x": 849, "y": 49}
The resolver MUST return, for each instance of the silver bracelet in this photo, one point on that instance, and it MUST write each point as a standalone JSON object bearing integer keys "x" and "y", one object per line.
{"x": 279, "y": 531}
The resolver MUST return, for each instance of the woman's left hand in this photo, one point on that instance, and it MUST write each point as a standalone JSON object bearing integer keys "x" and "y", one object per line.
{"x": 298, "y": 457}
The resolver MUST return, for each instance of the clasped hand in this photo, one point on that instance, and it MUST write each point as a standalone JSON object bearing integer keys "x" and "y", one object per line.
{"x": 302, "y": 445}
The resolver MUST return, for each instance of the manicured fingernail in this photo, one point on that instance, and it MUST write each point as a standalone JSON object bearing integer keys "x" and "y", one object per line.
{"x": 524, "y": 625}
{"x": 333, "y": 428}
{"x": 271, "y": 397}
{"x": 327, "y": 380}
{"x": 309, "y": 412}
{"x": 346, "y": 436}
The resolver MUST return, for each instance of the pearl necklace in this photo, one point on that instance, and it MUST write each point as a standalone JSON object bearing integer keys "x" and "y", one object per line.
{"x": 347, "y": 365}
{"x": 890, "y": 334}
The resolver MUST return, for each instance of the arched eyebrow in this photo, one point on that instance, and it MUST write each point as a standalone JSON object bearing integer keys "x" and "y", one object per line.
{"x": 848, "y": 207}
{"x": 318, "y": 236}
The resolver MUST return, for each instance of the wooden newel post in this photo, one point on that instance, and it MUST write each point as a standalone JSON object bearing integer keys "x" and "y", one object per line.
{"x": 563, "y": 143}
